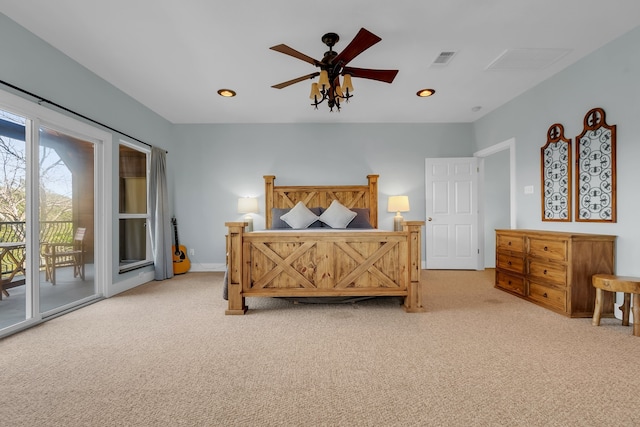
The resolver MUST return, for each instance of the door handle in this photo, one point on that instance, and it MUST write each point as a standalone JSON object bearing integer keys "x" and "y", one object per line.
{"x": 429, "y": 219}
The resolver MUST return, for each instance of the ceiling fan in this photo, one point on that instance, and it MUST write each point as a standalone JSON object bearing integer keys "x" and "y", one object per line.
{"x": 333, "y": 65}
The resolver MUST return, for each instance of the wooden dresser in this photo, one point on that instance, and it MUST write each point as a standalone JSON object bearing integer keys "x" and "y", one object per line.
{"x": 554, "y": 269}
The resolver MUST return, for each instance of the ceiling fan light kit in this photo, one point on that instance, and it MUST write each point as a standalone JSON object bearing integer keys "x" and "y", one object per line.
{"x": 333, "y": 65}
{"x": 324, "y": 90}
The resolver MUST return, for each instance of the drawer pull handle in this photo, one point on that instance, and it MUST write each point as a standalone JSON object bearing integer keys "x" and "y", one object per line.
{"x": 509, "y": 244}
{"x": 509, "y": 282}
{"x": 546, "y": 248}
{"x": 544, "y": 295}
{"x": 509, "y": 262}
{"x": 544, "y": 272}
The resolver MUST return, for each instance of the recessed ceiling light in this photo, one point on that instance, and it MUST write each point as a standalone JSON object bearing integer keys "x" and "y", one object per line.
{"x": 425, "y": 92}
{"x": 227, "y": 93}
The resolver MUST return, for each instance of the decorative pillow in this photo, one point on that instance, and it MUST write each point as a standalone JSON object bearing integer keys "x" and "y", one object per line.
{"x": 337, "y": 215}
{"x": 299, "y": 216}
{"x": 276, "y": 213}
{"x": 276, "y": 222}
{"x": 361, "y": 220}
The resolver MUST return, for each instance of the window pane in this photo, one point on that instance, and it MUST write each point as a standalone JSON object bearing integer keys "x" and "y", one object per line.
{"x": 13, "y": 232}
{"x": 133, "y": 181}
{"x": 134, "y": 243}
{"x": 133, "y": 240}
{"x": 67, "y": 199}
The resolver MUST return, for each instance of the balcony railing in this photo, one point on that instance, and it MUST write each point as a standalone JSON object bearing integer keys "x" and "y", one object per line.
{"x": 15, "y": 232}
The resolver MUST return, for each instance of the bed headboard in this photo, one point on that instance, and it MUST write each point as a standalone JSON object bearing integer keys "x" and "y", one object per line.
{"x": 352, "y": 196}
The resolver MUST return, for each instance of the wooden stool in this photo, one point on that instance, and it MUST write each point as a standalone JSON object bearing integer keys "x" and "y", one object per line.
{"x": 627, "y": 285}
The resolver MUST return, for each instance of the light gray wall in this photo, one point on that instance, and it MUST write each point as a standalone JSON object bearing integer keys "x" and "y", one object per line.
{"x": 35, "y": 66}
{"x": 609, "y": 78}
{"x": 216, "y": 164}
{"x": 496, "y": 201}
{"x": 211, "y": 165}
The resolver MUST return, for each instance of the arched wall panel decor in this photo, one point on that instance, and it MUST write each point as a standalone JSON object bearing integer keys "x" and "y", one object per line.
{"x": 555, "y": 163}
{"x": 596, "y": 169}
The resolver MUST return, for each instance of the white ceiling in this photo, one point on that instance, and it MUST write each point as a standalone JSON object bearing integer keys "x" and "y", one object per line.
{"x": 172, "y": 56}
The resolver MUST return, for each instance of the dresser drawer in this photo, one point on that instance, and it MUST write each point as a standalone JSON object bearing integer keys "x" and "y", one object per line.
{"x": 511, "y": 263}
{"x": 550, "y": 249}
{"x": 510, "y": 243}
{"x": 553, "y": 273}
{"x": 510, "y": 283}
{"x": 551, "y": 297}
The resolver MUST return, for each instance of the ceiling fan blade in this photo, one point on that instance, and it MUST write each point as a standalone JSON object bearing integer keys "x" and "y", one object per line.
{"x": 361, "y": 42}
{"x": 283, "y": 48}
{"x": 386, "y": 76}
{"x": 293, "y": 81}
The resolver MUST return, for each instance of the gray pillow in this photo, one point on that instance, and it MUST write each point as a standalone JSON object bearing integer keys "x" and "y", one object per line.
{"x": 361, "y": 220}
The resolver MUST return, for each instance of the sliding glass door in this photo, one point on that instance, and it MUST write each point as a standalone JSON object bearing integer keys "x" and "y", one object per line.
{"x": 13, "y": 230}
{"x": 52, "y": 172}
{"x": 66, "y": 217}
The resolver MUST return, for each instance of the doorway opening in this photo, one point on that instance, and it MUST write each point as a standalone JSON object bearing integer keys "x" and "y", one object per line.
{"x": 497, "y": 192}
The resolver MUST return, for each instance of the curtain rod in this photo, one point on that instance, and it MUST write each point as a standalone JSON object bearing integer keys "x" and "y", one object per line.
{"x": 41, "y": 99}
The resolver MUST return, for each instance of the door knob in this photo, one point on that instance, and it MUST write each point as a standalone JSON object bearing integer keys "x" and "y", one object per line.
{"x": 429, "y": 219}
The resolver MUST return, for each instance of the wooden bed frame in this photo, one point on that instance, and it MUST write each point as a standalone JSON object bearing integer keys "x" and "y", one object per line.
{"x": 323, "y": 262}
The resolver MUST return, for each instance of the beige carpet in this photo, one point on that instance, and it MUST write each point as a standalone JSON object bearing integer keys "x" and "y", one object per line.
{"x": 165, "y": 354}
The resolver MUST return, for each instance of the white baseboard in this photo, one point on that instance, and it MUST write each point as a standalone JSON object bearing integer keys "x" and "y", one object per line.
{"x": 130, "y": 283}
{"x": 148, "y": 276}
{"x": 200, "y": 267}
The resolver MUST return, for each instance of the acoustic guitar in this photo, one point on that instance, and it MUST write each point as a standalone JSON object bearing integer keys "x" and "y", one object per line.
{"x": 181, "y": 263}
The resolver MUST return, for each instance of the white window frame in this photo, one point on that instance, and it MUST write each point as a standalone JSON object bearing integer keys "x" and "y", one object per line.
{"x": 147, "y": 216}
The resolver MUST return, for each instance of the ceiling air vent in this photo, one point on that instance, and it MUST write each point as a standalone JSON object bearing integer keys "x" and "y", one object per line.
{"x": 527, "y": 59}
{"x": 443, "y": 58}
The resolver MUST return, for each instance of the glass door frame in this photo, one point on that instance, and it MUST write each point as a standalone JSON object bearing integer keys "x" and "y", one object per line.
{"x": 38, "y": 116}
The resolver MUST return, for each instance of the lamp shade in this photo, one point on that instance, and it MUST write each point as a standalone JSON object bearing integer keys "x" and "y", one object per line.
{"x": 323, "y": 80}
{"x": 247, "y": 205}
{"x": 315, "y": 92}
{"x": 398, "y": 204}
{"x": 346, "y": 83}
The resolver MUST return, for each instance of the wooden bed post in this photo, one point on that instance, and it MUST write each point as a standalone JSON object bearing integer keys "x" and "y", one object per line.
{"x": 373, "y": 199}
{"x": 413, "y": 300}
{"x": 234, "y": 268}
{"x": 269, "y": 182}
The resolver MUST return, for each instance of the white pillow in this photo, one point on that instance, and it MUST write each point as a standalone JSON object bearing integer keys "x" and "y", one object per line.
{"x": 299, "y": 216}
{"x": 337, "y": 215}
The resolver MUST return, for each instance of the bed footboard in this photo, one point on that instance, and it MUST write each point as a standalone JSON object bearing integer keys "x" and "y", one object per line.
{"x": 324, "y": 263}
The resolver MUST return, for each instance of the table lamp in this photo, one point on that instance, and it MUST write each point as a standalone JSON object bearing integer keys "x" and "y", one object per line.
{"x": 248, "y": 205}
{"x": 398, "y": 204}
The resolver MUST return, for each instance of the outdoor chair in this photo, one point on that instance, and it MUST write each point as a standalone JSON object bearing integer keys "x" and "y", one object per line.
{"x": 64, "y": 255}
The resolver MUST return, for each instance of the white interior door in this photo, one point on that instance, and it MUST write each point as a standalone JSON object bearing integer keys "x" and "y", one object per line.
{"x": 452, "y": 214}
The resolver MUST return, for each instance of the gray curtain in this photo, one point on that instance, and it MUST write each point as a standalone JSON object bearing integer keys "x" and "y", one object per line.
{"x": 160, "y": 226}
